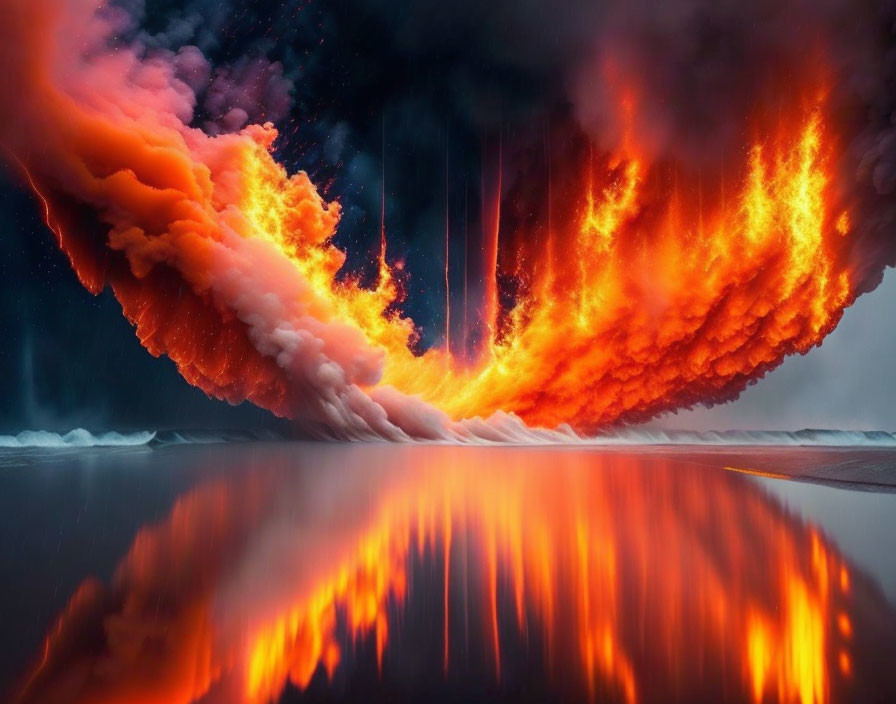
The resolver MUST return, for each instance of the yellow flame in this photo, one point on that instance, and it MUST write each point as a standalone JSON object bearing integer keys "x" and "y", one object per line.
{"x": 691, "y": 309}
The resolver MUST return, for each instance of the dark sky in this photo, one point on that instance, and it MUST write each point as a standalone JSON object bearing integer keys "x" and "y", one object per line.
{"x": 410, "y": 96}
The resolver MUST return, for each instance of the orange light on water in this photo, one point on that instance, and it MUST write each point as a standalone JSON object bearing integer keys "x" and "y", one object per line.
{"x": 844, "y": 625}
{"x": 844, "y": 580}
{"x": 582, "y": 562}
{"x": 626, "y": 579}
{"x": 845, "y": 663}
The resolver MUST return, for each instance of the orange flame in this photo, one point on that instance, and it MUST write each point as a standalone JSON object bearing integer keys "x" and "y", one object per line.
{"x": 649, "y": 293}
{"x": 653, "y": 317}
{"x": 643, "y": 326}
{"x": 659, "y": 313}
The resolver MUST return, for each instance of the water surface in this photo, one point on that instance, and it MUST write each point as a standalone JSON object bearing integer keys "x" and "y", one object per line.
{"x": 308, "y": 572}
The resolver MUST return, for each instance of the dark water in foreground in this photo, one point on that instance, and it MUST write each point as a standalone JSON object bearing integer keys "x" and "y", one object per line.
{"x": 255, "y": 572}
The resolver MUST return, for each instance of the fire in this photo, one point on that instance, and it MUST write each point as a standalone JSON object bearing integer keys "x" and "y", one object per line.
{"x": 668, "y": 304}
{"x": 622, "y": 578}
{"x": 655, "y": 287}
{"x": 305, "y": 637}
{"x": 282, "y": 210}
{"x": 662, "y": 311}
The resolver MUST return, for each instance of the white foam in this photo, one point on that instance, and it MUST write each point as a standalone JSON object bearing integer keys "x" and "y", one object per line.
{"x": 74, "y": 438}
{"x": 507, "y": 428}
{"x": 499, "y": 429}
{"x": 800, "y": 438}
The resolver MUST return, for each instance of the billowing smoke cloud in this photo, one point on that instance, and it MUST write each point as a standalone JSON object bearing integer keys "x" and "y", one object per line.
{"x": 110, "y": 129}
{"x": 228, "y": 267}
{"x": 251, "y": 90}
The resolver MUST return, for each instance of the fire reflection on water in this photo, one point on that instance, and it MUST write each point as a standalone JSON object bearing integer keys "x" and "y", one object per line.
{"x": 622, "y": 578}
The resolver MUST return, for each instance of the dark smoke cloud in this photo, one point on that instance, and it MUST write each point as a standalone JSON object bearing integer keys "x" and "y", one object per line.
{"x": 700, "y": 68}
{"x": 874, "y": 151}
{"x": 250, "y": 91}
{"x": 404, "y": 78}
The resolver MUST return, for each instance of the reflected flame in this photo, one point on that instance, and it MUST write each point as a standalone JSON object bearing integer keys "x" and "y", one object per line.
{"x": 587, "y": 547}
{"x": 629, "y": 579}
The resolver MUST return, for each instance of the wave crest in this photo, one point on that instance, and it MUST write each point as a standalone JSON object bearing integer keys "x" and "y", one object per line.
{"x": 74, "y": 438}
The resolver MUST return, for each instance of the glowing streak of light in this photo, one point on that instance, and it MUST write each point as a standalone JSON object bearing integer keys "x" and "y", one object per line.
{"x": 491, "y": 242}
{"x": 447, "y": 254}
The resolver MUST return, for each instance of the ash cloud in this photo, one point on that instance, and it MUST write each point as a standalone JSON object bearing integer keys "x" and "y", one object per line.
{"x": 397, "y": 80}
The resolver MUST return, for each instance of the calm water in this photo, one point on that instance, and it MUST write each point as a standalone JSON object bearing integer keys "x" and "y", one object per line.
{"x": 292, "y": 572}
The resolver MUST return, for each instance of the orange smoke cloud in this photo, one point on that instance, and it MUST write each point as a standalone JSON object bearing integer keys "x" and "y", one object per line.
{"x": 653, "y": 290}
{"x": 633, "y": 580}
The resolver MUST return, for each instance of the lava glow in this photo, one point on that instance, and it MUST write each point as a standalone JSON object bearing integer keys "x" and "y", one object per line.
{"x": 622, "y": 578}
{"x": 656, "y": 287}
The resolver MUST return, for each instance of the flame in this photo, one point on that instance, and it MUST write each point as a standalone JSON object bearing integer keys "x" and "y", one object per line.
{"x": 654, "y": 289}
{"x": 693, "y": 313}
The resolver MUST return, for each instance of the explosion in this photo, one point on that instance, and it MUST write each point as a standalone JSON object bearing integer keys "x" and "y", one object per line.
{"x": 653, "y": 285}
